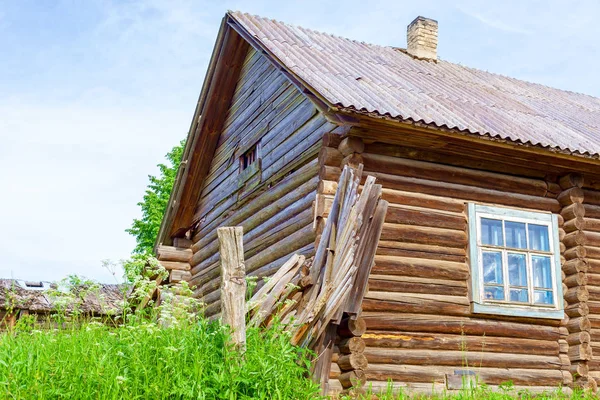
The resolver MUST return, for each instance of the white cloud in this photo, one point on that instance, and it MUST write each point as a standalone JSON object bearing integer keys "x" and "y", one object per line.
{"x": 494, "y": 23}
{"x": 71, "y": 179}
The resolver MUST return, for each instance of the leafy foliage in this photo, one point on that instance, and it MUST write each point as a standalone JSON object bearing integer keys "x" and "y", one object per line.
{"x": 147, "y": 360}
{"x": 155, "y": 202}
{"x": 69, "y": 293}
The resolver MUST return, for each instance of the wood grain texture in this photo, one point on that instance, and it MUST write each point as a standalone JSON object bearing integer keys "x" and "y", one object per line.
{"x": 233, "y": 283}
{"x": 211, "y": 113}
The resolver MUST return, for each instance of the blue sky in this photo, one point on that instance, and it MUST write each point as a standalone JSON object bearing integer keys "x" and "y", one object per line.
{"x": 94, "y": 93}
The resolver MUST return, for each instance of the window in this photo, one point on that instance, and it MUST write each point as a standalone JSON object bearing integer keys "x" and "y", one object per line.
{"x": 515, "y": 262}
{"x": 249, "y": 157}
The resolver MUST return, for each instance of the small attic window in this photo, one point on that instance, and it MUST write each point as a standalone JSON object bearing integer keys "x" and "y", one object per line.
{"x": 250, "y": 157}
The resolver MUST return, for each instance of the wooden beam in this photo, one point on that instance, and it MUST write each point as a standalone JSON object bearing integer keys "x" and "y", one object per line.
{"x": 233, "y": 283}
{"x": 170, "y": 253}
{"x": 206, "y": 134}
{"x": 399, "y": 131}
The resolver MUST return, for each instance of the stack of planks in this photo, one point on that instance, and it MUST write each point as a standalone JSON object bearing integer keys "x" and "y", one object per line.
{"x": 316, "y": 299}
{"x": 176, "y": 259}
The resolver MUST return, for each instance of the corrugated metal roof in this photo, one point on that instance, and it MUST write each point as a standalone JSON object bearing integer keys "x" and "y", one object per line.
{"x": 386, "y": 81}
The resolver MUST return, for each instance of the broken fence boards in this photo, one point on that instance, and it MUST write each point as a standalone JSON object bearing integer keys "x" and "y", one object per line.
{"x": 312, "y": 300}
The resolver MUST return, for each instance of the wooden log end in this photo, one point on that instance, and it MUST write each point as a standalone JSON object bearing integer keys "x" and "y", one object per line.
{"x": 352, "y": 345}
{"x": 352, "y": 379}
{"x": 352, "y": 327}
{"x": 350, "y": 145}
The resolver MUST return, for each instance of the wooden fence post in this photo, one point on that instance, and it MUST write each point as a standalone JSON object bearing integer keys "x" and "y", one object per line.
{"x": 233, "y": 283}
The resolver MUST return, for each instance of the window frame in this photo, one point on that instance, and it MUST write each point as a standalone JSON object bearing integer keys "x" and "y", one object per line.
{"x": 256, "y": 152}
{"x": 478, "y": 304}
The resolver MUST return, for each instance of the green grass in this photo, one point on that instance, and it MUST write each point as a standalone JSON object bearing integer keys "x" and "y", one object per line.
{"x": 171, "y": 352}
{"x": 147, "y": 360}
{"x": 505, "y": 391}
{"x": 143, "y": 360}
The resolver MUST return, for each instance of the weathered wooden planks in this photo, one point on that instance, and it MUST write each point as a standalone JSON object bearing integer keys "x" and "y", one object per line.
{"x": 463, "y": 342}
{"x": 233, "y": 285}
{"x": 275, "y": 211}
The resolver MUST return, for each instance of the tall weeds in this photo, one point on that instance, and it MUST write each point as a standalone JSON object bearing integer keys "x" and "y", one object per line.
{"x": 166, "y": 351}
{"x": 145, "y": 360}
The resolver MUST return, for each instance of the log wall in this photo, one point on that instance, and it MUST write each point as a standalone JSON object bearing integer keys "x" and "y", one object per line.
{"x": 575, "y": 265}
{"x": 591, "y": 250}
{"x": 272, "y": 199}
{"x": 420, "y": 328}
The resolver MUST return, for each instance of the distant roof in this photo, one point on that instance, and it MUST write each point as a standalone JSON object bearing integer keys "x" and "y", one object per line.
{"x": 34, "y": 296}
{"x": 384, "y": 81}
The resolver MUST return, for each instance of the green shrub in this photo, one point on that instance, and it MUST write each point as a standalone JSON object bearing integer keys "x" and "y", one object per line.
{"x": 147, "y": 360}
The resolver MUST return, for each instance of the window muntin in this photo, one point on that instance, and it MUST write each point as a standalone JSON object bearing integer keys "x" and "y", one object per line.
{"x": 516, "y": 258}
{"x": 514, "y": 264}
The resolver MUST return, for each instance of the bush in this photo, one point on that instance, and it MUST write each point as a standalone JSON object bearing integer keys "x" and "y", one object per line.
{"x": 147, "y": 360}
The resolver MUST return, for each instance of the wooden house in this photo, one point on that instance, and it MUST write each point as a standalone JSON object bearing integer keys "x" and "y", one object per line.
{"x": 38, "y": 299}
{"x": 489, "y": 260}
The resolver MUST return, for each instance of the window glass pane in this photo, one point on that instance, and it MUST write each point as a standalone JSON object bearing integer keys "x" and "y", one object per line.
{"x": 516, "y": 235}
{"x": 491, "y": 232}
{"x": 543, "y": 297}
{"x": 519, "y": 295}
{"x": 517, "y": 269}
{"x": 492, "y": 267}
{"x": 493, "y": 293}
{"x": 542, "y": 276}
{"x": 538, "y": 237}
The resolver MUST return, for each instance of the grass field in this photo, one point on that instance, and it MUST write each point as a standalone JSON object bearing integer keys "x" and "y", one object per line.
{"x": 481, "y": 392}
{"x": 142, "y": 360}
{"x": 145, "y": 360}
{"x": 148, "y": 360}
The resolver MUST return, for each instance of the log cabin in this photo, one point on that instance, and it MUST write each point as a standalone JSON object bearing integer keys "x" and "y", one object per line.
{"x": 19, "y": 298}
{"x": 489, "y": 260}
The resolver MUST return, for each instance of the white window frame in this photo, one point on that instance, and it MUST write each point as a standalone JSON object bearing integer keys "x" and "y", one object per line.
{"x": 479, "y": 304}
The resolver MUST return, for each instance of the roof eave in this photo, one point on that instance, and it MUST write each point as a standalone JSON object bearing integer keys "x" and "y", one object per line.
{"x": 174, "y": 199}
{"x": 466, "y": 134}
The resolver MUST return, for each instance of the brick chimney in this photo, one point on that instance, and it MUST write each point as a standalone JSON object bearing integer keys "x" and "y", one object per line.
{"x": 422, "y": 38}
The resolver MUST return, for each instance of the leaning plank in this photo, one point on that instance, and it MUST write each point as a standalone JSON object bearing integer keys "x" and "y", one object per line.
{"x": 295, "y": 261}
{"x": 313, "y": 298}
{"x": 369, "y": 248}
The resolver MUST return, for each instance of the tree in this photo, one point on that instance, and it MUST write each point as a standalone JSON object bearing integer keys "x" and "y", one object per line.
{"x": 155, "y": 202}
